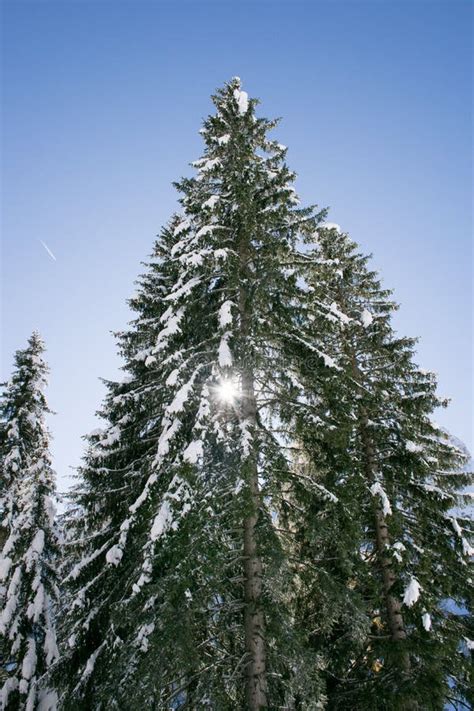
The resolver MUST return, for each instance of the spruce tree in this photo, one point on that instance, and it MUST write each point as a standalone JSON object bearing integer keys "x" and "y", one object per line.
{"x": 28, "y": 558}
{"x": 397, "y": 479}
{"x": 180, "y": 585}
{"x": 266, "y": 519}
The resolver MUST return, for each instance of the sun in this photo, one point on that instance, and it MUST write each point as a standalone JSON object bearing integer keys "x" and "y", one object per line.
{"x": 227, "y": 391}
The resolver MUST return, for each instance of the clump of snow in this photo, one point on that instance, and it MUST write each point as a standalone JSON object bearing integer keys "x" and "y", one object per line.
{"x": 5, "y": 565}
{"x": 91, "y": 662}
{"x": 36, "y": 548}
{"x": 162, "y": 521}
{"x": 376, "y": 489}
{"x": 142, "y": 637}
{"x": 337, "y": 312}
{"x": 169, "y": 430}
{"x": 47, "y": 700}
{"x": 398, "y": 548}
{"x": 413, "y": 447}
{"x": 29, "y": 661}
{"x": 181, "y": 396}
{"x": 366, "y": 318}
{"x": 50, "y": 646}
{"x": 426, "y": 620}
{"x": 467, "y": 549}
{"x": 239, "y": 486}
{"x": 193, "y": 452}
{"x": 222, "y": 140}
{"x": 181, "y": 227}
{"x": 114, "y": 555}
{"x": 330, "y": 226}
{"x": 172, "y": 378}
{"x": 224, "y": 354}
{"x": 183, "y": 290}
{"x": 225, "y": 314}
{"x": 211, "y": 202}
{"x": 328, "y": 361}
{"x": 242, "y": 99}
{"x": 412, "y": 592}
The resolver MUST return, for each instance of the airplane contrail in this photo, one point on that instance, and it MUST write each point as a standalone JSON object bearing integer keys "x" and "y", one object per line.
{"x": 48, "y": 250}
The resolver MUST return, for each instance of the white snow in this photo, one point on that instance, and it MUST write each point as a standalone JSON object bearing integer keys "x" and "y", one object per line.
{"x": 377, "y": 489}
{"x": 114, "y": 555}
{"x": 210, "y": 164}
{"x": 91, "y": 662}
{"x": 50, "y": 647}
{"x": 224, "y": 354}
{"x": 398, "y": 548}
{"x": 193, "y": 452}
{"x": 181, "y": 397}
{"x": 183, "y": 290}
{"x": 35, "y": 549}
{"x": 172, "y": 378}
{"x": 239, "y": 486}
{"x": 162, "y": 521}
{"x": 211, "y": 202}
{"x": 242, "y": 99}
{"x": 29, "y": 661}
{"x": 10, "y": 684}
{"x": 412, "y": 592}
{"x": 330, "y": 226}
{"x": 222, "y": 140}
{"x": 206, "y": 230}
{"x": 5, "y": 565}
{"x": 337, "y": 312}
{"x": 181, "y": 227}
{"x": 328, "y": 361}
{"x": 35, "y": 609}
{"x": 47, "y": 700}
{"x": 142, "y": 637}
{"x": 169, "y": 430}
{"x": 467, "y": 549}
{"x": 412, "y": 447}
{"x": 225, "y": 314}
{"x": 469, "y": 642}
{"x": 172, "y": 327}
{"x": 149, "y": 360}
{"x": 246, "y": 437}
{"x": 426, "y": 620}
{"x": 366, "y": 318}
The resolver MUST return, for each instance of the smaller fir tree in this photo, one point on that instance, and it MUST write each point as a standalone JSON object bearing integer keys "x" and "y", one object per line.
{"x": 28, "y": 589}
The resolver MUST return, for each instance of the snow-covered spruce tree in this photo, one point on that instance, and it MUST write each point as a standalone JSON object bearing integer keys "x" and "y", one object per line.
{"x": 28, "y": 557}
{"x": 116, "y": 469}
{"x": 180, "y": 590}
{"x": 397, "y": 479}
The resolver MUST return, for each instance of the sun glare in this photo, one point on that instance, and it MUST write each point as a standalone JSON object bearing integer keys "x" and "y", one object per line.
{"x": 227, "y": 391}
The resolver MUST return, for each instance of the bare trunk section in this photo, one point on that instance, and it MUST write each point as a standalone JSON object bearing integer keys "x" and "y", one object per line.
{"x": 254, "y": 621}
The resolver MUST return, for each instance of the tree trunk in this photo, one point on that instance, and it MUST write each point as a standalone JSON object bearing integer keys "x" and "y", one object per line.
{"x": 392, "y": 604}
{"x": 254, "y": 621}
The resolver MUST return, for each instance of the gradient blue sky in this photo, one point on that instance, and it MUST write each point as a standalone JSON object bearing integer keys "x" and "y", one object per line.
{"x": 102, "y": 103}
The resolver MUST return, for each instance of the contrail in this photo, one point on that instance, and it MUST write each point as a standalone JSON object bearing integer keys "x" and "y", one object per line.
{"x": 48, "y": 250}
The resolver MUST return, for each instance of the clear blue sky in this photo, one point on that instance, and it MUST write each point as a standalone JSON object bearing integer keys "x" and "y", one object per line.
{"x": 102, "y": 103}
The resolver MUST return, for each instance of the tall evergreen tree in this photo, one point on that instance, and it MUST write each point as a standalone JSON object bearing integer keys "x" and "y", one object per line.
{"x": 179, "y": 555}
{"x": 267, "y": 518}
{"x": 397, "y": 478}
{"x": 28, "y": 558}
